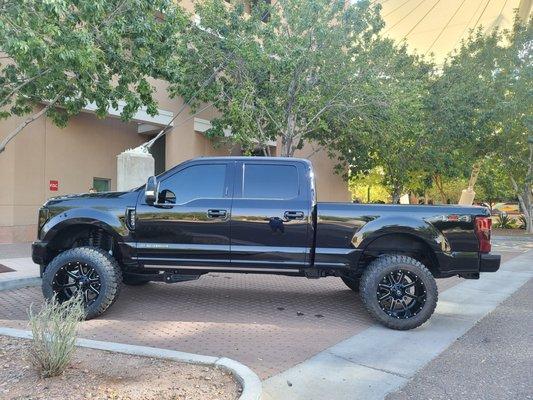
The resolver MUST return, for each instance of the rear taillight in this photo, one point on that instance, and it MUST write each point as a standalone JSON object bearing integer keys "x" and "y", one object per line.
{"x": 483, "y": 227}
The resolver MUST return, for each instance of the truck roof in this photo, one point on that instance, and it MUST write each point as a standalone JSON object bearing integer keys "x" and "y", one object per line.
{"x": 255, "y": 158}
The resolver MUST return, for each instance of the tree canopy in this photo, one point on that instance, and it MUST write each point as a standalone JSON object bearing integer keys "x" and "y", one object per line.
{"x": 283, "y": 71}
{"x": 59, "y": 56}
{"x": 292, "y": 72}
{"x": 481, "y": 106}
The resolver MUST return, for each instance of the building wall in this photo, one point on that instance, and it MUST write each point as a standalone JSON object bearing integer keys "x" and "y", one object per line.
{"x": 88, "y": 147}
{"x": 73, "y": 156}
{"x": 329, "y": 185}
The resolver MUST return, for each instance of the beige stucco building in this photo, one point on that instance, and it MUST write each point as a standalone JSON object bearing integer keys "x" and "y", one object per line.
{"x": 45, "y": 161}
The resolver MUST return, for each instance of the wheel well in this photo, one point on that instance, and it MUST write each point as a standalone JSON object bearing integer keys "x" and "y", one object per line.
{"x": 403, "y": 244}
{"x": 83, "y": 235}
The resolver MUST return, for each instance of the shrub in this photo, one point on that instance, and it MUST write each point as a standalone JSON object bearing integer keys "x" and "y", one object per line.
{"x": 523, "y": 224}
{"x": 505, "y": 222}
{"x": 54, "y": 330}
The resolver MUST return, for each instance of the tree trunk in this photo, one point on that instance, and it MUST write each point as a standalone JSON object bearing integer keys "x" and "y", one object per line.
{"x": 440, "y": 188}
{"x": 396, "y": 194}
{"x": 26, "y": 122}
{"x": 526, "y": 203}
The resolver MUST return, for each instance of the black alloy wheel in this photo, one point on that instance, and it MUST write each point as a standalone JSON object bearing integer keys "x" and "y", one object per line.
{"x": 89, "y": 271}
{"x": 398, "y": 291}
{"x": 401, "y": 294}
{"x": 76, "y": 278}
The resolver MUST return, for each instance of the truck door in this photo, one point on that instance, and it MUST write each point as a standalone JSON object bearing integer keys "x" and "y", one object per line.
{"x": 271, "y": 215}
{"x": 189, "y": 225}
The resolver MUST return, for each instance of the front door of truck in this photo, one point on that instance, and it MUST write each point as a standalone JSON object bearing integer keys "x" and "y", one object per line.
{"x": 189, "y": 225}
{"x": 271, "y": 216}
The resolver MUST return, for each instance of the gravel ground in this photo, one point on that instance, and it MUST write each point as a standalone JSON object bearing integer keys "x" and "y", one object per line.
{"x": 95, "y": 374}
{"x": 494, "y": 360}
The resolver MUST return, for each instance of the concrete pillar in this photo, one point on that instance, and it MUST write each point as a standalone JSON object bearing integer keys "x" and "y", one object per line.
{"x": 133, "y": 169}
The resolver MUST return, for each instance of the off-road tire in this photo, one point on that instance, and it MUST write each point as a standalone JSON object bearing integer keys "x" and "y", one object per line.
{"x": 102, "y": 262}
{"x": 352, "y": 283}
{"x": 377, "y": 270}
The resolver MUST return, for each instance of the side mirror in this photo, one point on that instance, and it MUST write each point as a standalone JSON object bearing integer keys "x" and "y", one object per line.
{"x": 150, "y": 191}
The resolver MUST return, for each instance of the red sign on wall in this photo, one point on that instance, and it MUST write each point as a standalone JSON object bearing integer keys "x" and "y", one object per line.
{"x": 54, "y": 186}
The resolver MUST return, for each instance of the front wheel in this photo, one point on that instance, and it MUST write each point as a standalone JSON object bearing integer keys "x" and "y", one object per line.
{"x": 86, "y": 271}
{"x": 398, "y": 291}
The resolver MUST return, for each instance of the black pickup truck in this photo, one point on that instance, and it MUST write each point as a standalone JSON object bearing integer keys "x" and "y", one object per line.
{"x": 257, "y": 215}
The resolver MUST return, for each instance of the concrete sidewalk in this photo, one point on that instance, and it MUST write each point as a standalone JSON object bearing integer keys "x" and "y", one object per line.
{"x": 379, "y": 361}
{"x": 25, "y": 273}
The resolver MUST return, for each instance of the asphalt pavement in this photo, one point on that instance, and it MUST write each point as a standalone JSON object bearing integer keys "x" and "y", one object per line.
{"x": 493, "y": 360}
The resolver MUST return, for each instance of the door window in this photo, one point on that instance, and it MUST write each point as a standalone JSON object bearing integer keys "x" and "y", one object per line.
{"x": 204, "y": 181}
{"x": 269, "y": 181}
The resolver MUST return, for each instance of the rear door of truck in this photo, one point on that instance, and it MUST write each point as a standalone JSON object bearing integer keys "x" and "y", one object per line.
{"x": 271, "y": 221}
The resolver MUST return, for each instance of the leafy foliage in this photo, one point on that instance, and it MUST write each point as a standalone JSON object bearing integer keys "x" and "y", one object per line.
{"x": 505, "y": 222}
{"x": 66, "y": 54}
{"x": 369, "y": 188}
{"x": 293, "y": 78}
{"x": 481, "y": 106}
{"x": 392, "y": 132}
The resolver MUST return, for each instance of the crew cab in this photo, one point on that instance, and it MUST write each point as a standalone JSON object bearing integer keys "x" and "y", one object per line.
{"x": 257, "y": 215}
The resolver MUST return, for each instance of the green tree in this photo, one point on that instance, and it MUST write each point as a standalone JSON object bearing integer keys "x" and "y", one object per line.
{"x": 279, "y": 71}
{"x": 392, "y": 132}
{"x": 481, "y": 106}
{"x": 369, "y": 188}
{"x": 57, "y": 56}
{"x": 493, "y": 184}
{"x": 513, "y": 139}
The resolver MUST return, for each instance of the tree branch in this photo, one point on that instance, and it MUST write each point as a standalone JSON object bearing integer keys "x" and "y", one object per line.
{"x": 28, "y": 121}
{"x": 16, "y": 89}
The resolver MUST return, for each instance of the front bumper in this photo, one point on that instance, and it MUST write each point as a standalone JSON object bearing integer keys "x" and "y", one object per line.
{"x": 489, "y": 262}
{"x": 39, "y": 253}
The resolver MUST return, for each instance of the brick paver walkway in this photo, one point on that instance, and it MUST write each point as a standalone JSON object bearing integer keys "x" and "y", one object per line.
{"x": 269, "y": 323}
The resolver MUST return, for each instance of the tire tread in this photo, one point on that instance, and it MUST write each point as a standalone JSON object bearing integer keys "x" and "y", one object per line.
{"x": 367, "y": 290}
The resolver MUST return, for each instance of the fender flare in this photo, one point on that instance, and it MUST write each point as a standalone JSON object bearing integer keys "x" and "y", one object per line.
{"x": 401, "y": 225}
{"x": 110, "y": 223}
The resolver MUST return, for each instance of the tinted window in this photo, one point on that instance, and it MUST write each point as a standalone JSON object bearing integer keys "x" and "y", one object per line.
{"x": 267, "y": 181}
{"x": 195, "y": 182}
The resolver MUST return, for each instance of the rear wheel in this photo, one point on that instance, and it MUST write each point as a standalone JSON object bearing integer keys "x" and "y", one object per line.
{"x": 352, "y": 283}
{"x": 86, "y": 271}
{"x": 399, "y": 291}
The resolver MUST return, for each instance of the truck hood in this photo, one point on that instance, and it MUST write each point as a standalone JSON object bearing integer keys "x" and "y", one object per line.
{"x": 89, "y": 199}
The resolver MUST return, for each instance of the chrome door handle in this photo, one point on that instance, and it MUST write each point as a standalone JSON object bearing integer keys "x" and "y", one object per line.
{"x": 217, "y": 213}
{"x": 294, "y": 215}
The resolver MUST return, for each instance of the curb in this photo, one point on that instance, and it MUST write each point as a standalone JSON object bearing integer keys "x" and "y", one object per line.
{"x": 250, "y": 382}
{"x": 18, "y": 283}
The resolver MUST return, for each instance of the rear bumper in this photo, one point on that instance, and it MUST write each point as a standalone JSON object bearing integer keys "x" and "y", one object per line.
{"x": 467, "y": 264}
{"x": 489, "y": 262}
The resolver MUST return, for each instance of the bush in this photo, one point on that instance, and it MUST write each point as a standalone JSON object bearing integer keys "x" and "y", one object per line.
{"x": 505, "y": 222}
{"x": 54, "y": 330}
{"x": 523, "y": 224}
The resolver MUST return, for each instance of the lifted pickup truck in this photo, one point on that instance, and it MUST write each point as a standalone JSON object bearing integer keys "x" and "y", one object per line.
{"x": 257, "y": 215}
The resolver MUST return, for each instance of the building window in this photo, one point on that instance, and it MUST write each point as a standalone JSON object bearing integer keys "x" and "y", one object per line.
{"x": 102, "y": 184}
